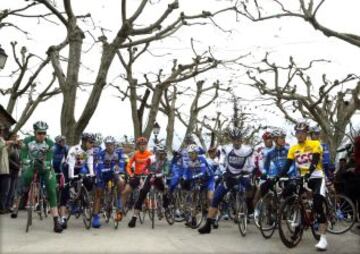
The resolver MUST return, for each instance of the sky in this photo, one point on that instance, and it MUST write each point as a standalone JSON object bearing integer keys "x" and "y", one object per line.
{"x": 281, "y": 38}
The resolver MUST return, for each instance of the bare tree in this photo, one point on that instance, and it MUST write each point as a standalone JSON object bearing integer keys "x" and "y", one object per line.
{"x": 305, "y": 9}
{"x": 25, "y": 85}
{"x": 157, "y": 86}
{"x": 329, "y": 105}
{"x": 196, "y": 107}
{"x": 128, "y": 36}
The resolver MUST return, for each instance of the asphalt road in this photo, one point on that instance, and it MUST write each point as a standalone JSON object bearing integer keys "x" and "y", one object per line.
{"x": 143, "y": 239}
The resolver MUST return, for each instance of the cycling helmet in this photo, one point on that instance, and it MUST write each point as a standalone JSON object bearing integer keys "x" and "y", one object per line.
{"x": 302, "y": 126}
{"x": 266, "y": 135}
{"x": 40, "y": 126}
{"x": 235, "y": 133}
{"x": 192, "y": 149}
{"x": 141, "y": 141}
{"x": 160, "y": 148}
{"x": 59, "y": 138}
{"x": 278, "y": 133}
{"x": 189, "y": 138}
{"x": 315, "y": 129}
{"x": 98, "y": 139}
{"x": 88, "y": 137}
{"x": 109, "y": 140}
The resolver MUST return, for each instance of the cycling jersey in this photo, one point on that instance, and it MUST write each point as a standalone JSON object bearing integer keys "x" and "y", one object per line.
{"x": 259, "y": 159}
{"x": 302, "y": 155}
{"x": 236, "y": 161}
{"x": 159, "y": 166}
{"x": 59, "y": 156}
{"x": 38, "y": 155}
{"x": 275, "y": 161}
{"x": 199, "y": 168}
{"x": 141, "y": 160}
{"x": 78, "y": 158}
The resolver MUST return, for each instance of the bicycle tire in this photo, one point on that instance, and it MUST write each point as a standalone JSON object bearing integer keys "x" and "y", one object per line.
{"x": 29, "y": 208}
{"x": 241, "y": 214}
{"x": 335, "y": 214}
{"x": 86, "y": 207}
{"x": 290, "y": 207}
{"x": 267, "y": 216}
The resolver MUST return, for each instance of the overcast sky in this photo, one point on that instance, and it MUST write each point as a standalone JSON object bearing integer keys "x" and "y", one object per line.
{"x": 281, "y": 38}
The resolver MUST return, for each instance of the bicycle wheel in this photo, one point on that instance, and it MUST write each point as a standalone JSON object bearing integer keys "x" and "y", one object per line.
{"x": 170, "y": 212}
{"x": 86, "y": 207}
{"x": 291, "y": 222}
{"x": 152, "y": 208}
{"x": 179, "y": 209}
{"x": 268, "y": 215}
{"x": 341, "y": 214}
{"x": 115, "y": 206}
{"x": 241, "y": 214}
{"x": 30, "y": 206}
{"x": 107, "y": 206}
{"x": 198, "y": 209}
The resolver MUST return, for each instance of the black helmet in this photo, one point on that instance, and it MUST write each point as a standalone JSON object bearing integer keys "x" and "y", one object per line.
{"x": 59, "y": 138}
{"x": 235, "y": 133}
{"x": 302, "y": 126}
{"x": 88, "y": 137}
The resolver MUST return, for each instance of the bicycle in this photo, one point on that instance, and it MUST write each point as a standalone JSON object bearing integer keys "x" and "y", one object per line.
{"x": 341, "y": 213}
{"x": 111, "y": 202}
{"x": 195, "y": 202}
{"x": 241, "y": 209}
{"x": 133, "y": 197}
{"x": 269, "y": 207}
{"x": 81, "y": 199}
{"x": 154, "y": 201}
{"x": 35, "y": 199}
{"x": 296, "y": 215}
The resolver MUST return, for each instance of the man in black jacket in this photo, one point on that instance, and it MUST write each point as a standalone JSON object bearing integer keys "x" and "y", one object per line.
{"x": 14, "y": 166}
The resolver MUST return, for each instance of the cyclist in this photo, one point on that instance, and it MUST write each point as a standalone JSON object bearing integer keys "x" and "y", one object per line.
{"x": 261, "y": 153}
{"x": 158, "y": 167}
{"x": 260, "y": 156}
{"x": 110, "y": 166}
{"x": 141, "y": 161}
{"x": 198, "y": 167}
{"x": 81, "y": 156}
{"x": 307, "y": 156}
{"x": 97, "y": 147}
{"x": 326, "y": 160}
{"x": 36, "y": 154}
{"x": 60, "y": 151}
{"x": 236, "y": 159}
{"x": 275, "y": 160}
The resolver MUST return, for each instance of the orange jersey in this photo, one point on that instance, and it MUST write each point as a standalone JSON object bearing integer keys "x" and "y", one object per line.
{"x": 141, "y": 160}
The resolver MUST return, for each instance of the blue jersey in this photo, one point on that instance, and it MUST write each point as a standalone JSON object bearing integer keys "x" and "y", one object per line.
{"x": 109, "y": 161}
{"x": 275, "y": 161}
{"x": 96, "y": 153}
{"x": 59, "y": 156}
{"x": 326, "y": 154}
{"x": 198, "y": 167}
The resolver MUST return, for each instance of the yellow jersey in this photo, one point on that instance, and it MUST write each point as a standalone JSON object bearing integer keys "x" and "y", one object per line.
{"x": 302, "y": 154}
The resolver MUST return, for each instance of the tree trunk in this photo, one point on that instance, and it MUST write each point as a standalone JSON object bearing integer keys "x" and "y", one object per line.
{"x": 171, "y": 122}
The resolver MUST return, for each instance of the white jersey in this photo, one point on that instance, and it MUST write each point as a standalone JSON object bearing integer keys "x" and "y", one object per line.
{"x": 236, "y": 161}
{"x": 77, "y": 158}
{"x": 260, "y": 156}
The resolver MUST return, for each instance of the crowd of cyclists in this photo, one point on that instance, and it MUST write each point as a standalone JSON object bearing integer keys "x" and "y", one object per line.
{"x": 134, "y": 166}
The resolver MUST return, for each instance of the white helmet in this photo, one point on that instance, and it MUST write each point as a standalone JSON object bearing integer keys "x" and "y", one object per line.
{"x": 192, "y": 148}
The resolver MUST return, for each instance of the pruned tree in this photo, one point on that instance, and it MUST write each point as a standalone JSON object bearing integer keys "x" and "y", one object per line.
{"x": 26, "y": 84}
{"x": 127, "y": 36}
{"x": 305, "y": 9}
{"x": 159, "y": 84}
{"x": 197, "y": 106}
{"x": 330, "y": 105}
